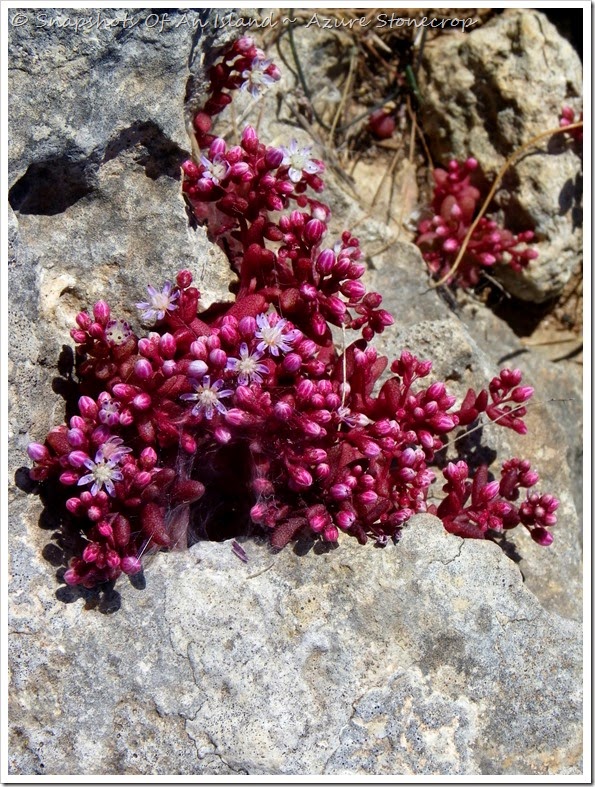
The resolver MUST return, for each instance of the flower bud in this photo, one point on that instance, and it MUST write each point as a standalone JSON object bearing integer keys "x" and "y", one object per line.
{"x": 322, "y": 471}
{"x": 87, "y": 407}
{"x": 340, "y": 492}
{"x": 313, "y": 232}
{"x": 218, "y": 358}
{"x": 353, "y": 289}
{"x": 131, "y": 565}
{"x": 520, "y": 395}
{"x": 169, "y": 368}
{"x": 143, "y": 369}
{"x": 330, "y": 533}
{"x": 197, "y": 369}
{"x": 74, "y": 505}
{"x": 249, "y": 139}
{"x": 291, "y": 363}
{"x": 541, "y": 536}
{"x": 141, "y": 402}
{"x": 77, "y": 458}
{"x": 167, "y": 345}
{"x": 325, "y": 262}
{"x": 38, "y": 452}
{"x": 101, "y": 312}
{"x": 148, "y": 458}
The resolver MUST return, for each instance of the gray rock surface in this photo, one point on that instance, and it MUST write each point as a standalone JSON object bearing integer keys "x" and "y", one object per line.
{"x": 486, "y": 93}
{"x": 430, "y": 657}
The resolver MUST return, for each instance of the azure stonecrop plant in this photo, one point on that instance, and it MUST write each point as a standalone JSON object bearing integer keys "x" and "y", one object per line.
{"x": 248, "y": 413}
{"x": 455, "y": 204}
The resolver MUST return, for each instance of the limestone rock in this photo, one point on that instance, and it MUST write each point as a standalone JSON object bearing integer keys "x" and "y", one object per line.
{"x": 486, "y": 93}
{"x": 429, "y": 657}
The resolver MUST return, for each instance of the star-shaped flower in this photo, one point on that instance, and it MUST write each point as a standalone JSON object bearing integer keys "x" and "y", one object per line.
{"x": 247, "y": 367}
{"x": 159, "y": 302}
{"x": 207, "y": 397}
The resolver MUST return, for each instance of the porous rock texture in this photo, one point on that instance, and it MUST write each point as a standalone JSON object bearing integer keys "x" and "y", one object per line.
{"x": 486, "y": 93}
{"x": 429, "y": 657}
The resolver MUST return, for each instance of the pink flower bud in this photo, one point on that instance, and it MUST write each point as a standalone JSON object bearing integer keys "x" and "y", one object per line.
{"x": 218, "y": 358}
{"x": 541, "y": 536}
{"x": 38, "y": 452}
{"x": 197, "y": 369}
{"x": 83, "y": 320}
{"x": 322, "y": 471}
{"x": 345, "y": 519}
{"x": 142, "y": 402}
{"x": 71, "y": 577}
{"x": 222, "y": 435}
{"x": 143, "y": 369}
{"x": 190, "y": 169}
{"x": 77, "y": 458}
{"x": 291, "y": 363}
{"x": 126, "y": 418}
{"x": 450, "y": 245}
{"x": 101, "y": 312}
{"x": 143, "y": 478}
{"x": 169, "y": 368}
{"x": 80, "y": 337}
{"x": 311, "y": 428}
{"x": 273, "y": 158}
{"x": 258, "y": 513}
{"x": 148, "y": 458}
{"x": 305, "y": 389}
{"x": 340, "y": 492}
{"x": 520, "y": 395}
{"x": 91, "y": 552}
{"x": 131, "y": 565}
{"x": 87, "y": 407}
{"x": 237, "y": 417}
{"x": 249, "y": 139}
{"x": 300, "y": 476}
{"x": 313, "y": 232}
{"x": 368, "y": 497}
{"x": 325, "y": 262}
{"x": 167, "y": 345}
{"x": 217, "y": 148}
{"x": 188, "y": 444}
{"x": 330, "y": 533}
{"x": 336, "y": 306}
{"x": 247, "y": 327}
{"x": 241, "y": 170}
{"x": 489, "y": 491}
{"x": 69, "y": 478}
{"x": 74, "y": 505}
{"x": 353, "y": 289}
{"x": 283, "y": 411}
{"x": 146, "y": 348}
{"x": 371, "y": 449}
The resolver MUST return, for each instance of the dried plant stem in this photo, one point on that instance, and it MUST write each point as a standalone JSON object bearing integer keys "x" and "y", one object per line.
{"x": 346, "y": 89}
{"x": 509, "y": 161}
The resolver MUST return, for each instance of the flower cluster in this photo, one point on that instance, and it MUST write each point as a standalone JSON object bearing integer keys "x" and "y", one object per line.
{"x": 491, "y": 508}
{"x": 252, "y": 401}
{"x": 454, "y": 206}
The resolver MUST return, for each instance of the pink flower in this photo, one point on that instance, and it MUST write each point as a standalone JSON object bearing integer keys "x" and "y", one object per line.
{"x": 298, "y": 160}
{"x": 247, "y": 367}
{"x": 256, "y": 77}
{"x": 159, "y": 302}
{"x": 103, "y": 472}
{"x": 207, "y": 397}
{"x": 271, "y": 334}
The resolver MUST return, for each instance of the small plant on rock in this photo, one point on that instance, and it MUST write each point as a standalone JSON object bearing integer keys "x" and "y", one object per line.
{"x": 249, "y": 409}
